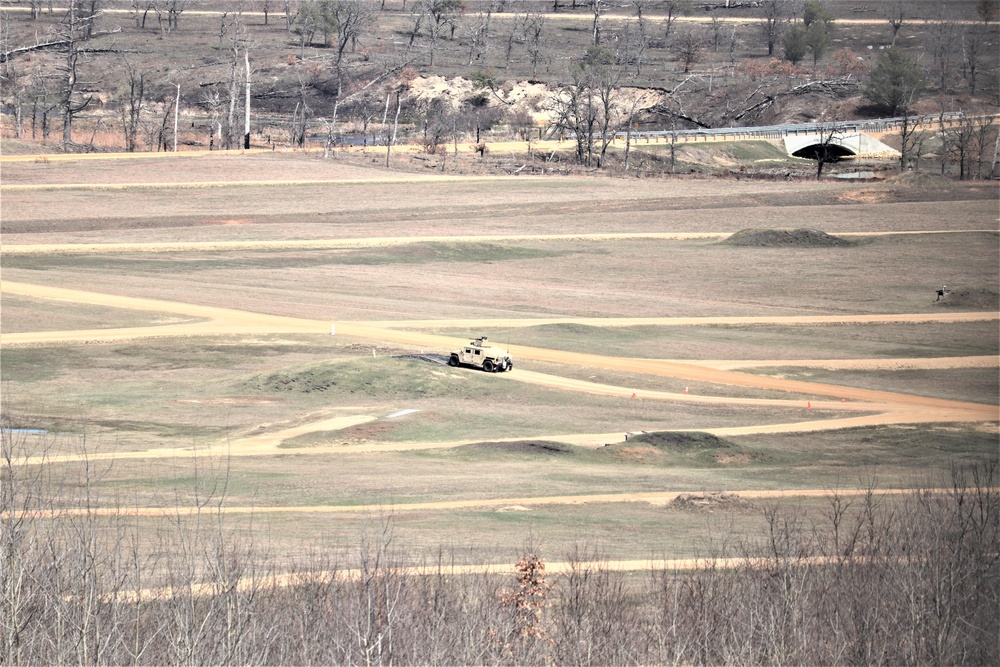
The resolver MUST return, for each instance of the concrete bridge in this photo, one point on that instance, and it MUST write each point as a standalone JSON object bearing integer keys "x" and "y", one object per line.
{"x": 855, "y": 137}
{"x": 839, "y": 145}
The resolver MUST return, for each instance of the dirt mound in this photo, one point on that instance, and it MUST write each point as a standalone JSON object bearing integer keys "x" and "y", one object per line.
{"x": 785, "y": 238}
{"x": 920, "y": 179}
{"x": 678, "y": 441}
{"x": 707, "y": 502}
{"x": 975, "y": 298}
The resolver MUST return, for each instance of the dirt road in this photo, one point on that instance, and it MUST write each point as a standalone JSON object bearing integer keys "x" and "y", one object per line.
{"x": 658, "y": 498}
{"x": 390, "y": 241}
{"x": 881, "y": 407}
{"x": 263, "y": 582}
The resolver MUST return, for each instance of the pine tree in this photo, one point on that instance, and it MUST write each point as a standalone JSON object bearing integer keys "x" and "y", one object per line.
{"x": 895, "y": 82}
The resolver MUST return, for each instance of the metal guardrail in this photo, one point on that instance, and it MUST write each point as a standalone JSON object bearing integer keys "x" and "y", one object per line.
{"x": 781, "y": 131}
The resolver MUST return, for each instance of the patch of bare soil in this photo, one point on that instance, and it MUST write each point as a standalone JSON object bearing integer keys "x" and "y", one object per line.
{"x": 376, "y": 430}
{"x": 709, "y": 502}
{"x": 866, "y": 196}
{"x": 785, "y": 238}
{"x": 513, "y": 508}
{"x": 231, "y": 400}
{"x": 639, "y": 453}
{"x": 735, "y": 458}
{"x": 525, "y": 447}
{"x": 977, "y": 298}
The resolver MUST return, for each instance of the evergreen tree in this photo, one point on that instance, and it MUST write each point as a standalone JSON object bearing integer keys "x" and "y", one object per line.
{"x": 795, "y": 43}
{"x": 895, "y": 82}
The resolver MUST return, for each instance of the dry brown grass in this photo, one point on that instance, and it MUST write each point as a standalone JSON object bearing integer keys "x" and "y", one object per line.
{"x": 194, "y": 392}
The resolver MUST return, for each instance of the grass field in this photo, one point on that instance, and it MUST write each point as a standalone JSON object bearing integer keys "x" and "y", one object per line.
{"x": 162, "y": 414}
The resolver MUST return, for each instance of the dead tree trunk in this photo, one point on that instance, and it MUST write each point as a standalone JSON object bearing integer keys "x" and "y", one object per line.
{"x": 246, "y": 115}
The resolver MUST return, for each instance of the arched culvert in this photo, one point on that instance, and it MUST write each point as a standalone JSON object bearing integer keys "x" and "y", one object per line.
{"x": 827, "y": 152}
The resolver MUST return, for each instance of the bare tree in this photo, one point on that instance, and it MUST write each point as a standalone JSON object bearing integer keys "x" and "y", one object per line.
{"x": 633, "y": 109}
{"x": 688, "y": 46}
{"x": 131, "y": 105}
{"x": 300, "y": 116}
{"x": 895, "y": 13}
{"x": 390, "y": 140}
{"x": 14, "y": 84}
{"x": 238, "y": 71}
{"x": 440, "y": 13}
{"x": 534, "y": 28}
{"x": 351, "y": 18}
{"x": 958, "y": 146}
{"x": 246, "y": 108}
{"x": 76, "y": 29}
{"x": 975, "y": 45}
{"x": 826, "y": 150}
{"x": 597, "y": 7}
{"x": 673, "y": 8}
{"x": 480, "y": 34}
{"x": 643, "y": 37}
{"x": 988, "y": 10}
{"x": 910, "y": 134}
{"x": 942, "y": 38}
{"x": 774, "y": 14}
{"x": 174, "y": 10}
{"x": 34, "y": 8}
{"x": 985, "y": 135}
{"x": 587, "y": 106}
{"x": 514, "y": 35}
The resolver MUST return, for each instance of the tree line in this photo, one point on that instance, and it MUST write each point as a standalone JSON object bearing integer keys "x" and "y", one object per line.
{"x": 716, "y": 79}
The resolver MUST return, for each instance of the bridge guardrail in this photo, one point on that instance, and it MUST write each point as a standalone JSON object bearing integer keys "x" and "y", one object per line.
{"x": 781, "y": 131}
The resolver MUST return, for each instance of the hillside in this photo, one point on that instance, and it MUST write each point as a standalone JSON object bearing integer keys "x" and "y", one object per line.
{"x": 434, "y": 72}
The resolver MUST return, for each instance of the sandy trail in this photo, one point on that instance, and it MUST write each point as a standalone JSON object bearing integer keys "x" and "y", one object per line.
{"x": 257, "y": 183}
{"x": 285, "y": 580}
{"x": 687, "y": 371}
{"x": 223, "y": 320}
{"x": 889, "y": 407}
{"x": 370, "y": 242}
{"x": 897, "y": 364}
{"x": 656, "y": 498}
{"x": 269, "y": 444}
{"x": 73, "y": 157}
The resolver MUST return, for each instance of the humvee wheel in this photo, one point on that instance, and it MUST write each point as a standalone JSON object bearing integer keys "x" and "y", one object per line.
{"x": 453, "y": 360}
{"x": 488, "y": 366}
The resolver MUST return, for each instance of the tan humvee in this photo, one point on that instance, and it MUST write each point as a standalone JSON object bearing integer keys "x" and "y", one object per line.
{"x": 481, "y": 354}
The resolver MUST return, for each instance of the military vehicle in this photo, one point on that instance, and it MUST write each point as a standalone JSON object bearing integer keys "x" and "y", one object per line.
{"x": 481, "y": 354}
